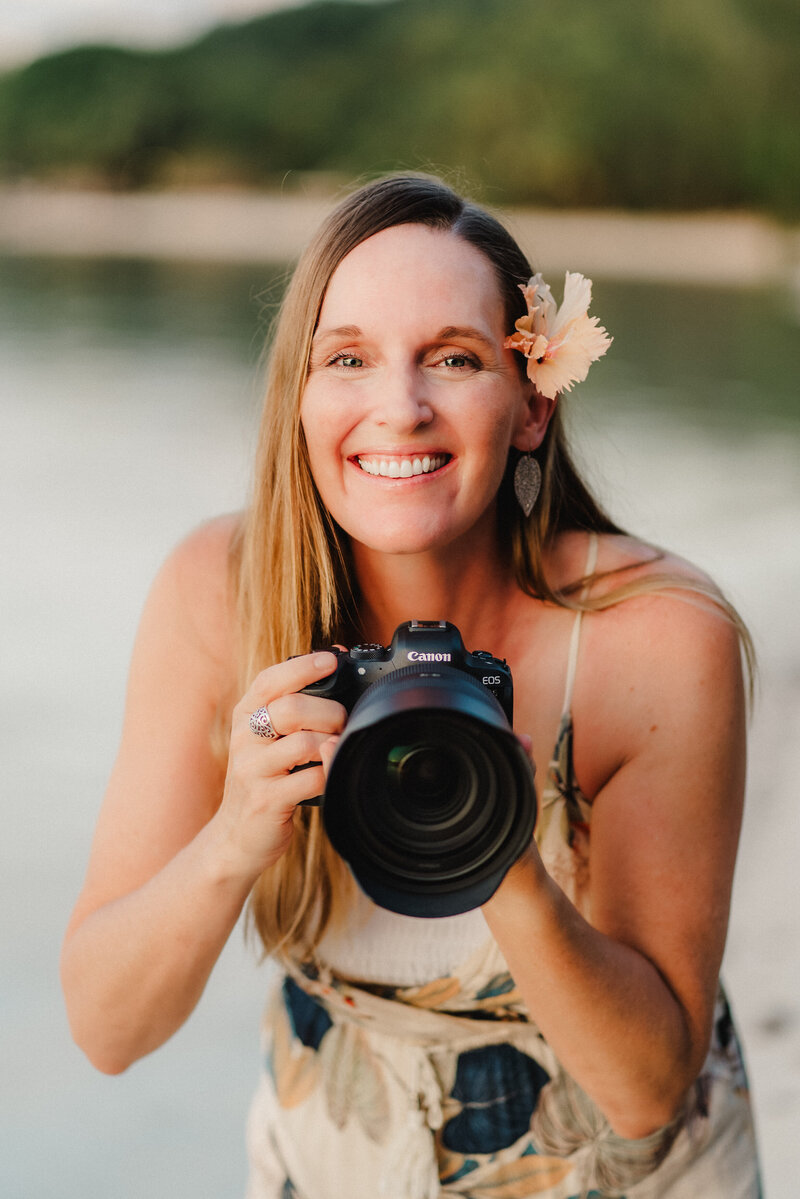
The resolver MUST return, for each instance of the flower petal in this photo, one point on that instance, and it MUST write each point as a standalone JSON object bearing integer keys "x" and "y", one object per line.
{"x": 532, "y": 345}
{"x": 569, "y": 357}
{"x": 577, "y": 298}
{"x": 539, "y": 299}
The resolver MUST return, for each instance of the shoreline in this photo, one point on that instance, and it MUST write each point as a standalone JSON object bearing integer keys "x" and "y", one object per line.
{"x": 717, "y": 248}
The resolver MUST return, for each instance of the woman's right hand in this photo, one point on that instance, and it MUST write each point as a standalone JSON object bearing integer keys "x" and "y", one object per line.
{"x": 254, "y": 822}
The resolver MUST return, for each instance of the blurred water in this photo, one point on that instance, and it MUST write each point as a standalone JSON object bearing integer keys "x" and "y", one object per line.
{"x": 128, "y": 396}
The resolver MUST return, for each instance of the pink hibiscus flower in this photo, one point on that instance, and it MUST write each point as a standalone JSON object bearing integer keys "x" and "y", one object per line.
{"x": 559, "y": 343}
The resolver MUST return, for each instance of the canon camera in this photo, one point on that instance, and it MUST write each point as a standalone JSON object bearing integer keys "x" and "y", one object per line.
{"x": 430, "y": 796}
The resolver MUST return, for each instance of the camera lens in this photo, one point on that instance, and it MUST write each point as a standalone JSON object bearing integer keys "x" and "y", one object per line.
{"x": 430, "y": 797}
{"x": 423, "y": 776}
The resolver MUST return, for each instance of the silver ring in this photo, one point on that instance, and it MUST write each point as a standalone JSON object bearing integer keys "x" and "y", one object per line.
{"x": 262, "y": 726}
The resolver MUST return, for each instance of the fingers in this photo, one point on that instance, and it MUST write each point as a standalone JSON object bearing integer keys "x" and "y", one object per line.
{"x": 263, "y": 787}
{"x": 301, "y": 786}
{"x": 295, "y": 713}
{"x": 280, "y": 690}
{"x": 287, "y": 753}
{"x": 285, "y": 678}
{"x": 301, "y": 723}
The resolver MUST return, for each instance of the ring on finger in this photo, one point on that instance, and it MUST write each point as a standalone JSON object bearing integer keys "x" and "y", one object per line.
{"x": 261, "y": 724}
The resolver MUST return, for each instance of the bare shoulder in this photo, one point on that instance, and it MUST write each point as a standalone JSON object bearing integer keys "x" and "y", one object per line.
{"x": 678, "y": 617}
{"x": 167, "y": 778}
{"x": 193, "y": 590}
{"x": 185, "y": 649}
{"x": 201, "y": 561}
{"x": 648, "y": 599}
{"x": 661, "y": 598}
{"x": 657, "y": 660}
{"x": 623, "y": 559}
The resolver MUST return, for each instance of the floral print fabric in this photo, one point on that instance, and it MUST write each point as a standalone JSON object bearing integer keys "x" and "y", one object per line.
{"x": 368, "y": 1094}
{"x": 449, "y": 1091}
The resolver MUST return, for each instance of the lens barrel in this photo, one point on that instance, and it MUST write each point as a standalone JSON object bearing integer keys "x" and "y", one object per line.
{"x": 430, "y": 796}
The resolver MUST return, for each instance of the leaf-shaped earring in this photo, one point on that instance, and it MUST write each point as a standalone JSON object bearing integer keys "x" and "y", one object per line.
{"x": 527, "y": 482}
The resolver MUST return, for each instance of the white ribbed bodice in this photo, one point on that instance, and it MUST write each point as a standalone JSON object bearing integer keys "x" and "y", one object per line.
{"x": 375, "y": 945}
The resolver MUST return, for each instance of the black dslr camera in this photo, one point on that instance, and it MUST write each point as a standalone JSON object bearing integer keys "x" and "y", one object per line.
{"x": 430, "y": 796}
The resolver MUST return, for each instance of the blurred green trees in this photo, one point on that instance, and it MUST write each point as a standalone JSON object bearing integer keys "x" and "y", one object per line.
{"x": 596, "y": 102}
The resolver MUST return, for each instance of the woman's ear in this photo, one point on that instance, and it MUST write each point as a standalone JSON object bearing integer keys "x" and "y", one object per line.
{"x": 534, "y": 419}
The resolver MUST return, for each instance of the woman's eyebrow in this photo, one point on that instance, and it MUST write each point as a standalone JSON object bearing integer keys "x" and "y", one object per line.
{"x": 448, "y": 333}
{"x": 469, "y": 332}
{"x": 341, "y": 331}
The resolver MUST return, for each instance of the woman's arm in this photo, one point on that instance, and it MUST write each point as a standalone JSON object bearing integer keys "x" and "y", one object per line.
{"x": 178, "y": 843}
{"x": 626, "y": 1002}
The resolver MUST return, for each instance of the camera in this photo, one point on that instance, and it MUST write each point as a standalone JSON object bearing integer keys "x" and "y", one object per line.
{"x": 430, "y": 796}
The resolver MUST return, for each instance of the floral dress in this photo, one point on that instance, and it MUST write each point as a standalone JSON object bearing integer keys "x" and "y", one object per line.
{"x": 448, "y": 1089}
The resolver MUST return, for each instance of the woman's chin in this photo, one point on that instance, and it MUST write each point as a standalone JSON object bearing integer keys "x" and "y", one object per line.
{"x": 409, "y": 532}
{"x": 402, "y": 544}
{"x": 410, "y": 539}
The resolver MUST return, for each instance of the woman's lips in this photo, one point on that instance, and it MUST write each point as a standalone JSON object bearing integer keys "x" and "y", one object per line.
{"x": 401, "y": 466}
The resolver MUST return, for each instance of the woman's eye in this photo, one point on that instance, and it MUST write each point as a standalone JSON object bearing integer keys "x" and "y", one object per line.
{"x": 459, "y": 361}
{"x": 348, "y": 360}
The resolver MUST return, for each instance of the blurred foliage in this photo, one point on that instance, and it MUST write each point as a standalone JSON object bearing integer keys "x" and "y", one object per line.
{"x": 679, "y": 105}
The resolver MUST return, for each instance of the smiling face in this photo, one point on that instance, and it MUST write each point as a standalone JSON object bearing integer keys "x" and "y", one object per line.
{"x": 411, "y": 402}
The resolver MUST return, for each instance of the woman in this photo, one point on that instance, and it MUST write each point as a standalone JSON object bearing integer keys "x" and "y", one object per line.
{"x": 570, "y": 1034}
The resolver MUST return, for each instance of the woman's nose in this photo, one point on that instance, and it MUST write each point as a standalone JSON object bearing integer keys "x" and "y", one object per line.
{"x": 403, "y": 402}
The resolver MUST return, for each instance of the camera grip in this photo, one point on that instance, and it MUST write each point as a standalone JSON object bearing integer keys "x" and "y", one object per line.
{"x": 326, "y": 688}
{"x": 316, "y": 800}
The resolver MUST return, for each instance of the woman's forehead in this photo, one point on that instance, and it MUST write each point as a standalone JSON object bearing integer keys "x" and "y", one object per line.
{"x": 414, "y": 266}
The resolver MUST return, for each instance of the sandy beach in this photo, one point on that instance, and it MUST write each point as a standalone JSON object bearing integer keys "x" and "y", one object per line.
{"x": 720, "y": 248}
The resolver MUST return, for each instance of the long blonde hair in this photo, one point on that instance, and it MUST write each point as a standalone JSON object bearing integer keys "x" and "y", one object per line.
{"x": 294, "y": 585}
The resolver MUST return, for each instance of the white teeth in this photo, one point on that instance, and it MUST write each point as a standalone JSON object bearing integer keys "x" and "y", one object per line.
{"x": 402, "y": 468}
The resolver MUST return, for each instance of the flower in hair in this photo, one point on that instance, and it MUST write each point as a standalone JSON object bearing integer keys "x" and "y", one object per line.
{"x": 559, "y": 343}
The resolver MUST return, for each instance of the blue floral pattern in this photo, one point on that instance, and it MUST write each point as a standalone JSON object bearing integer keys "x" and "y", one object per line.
{"x": 497, "y": 1087}
{"x": 448, "y": 1089}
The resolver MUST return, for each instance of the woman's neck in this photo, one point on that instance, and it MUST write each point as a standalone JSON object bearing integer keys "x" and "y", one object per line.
{"x": 471, "y": 590}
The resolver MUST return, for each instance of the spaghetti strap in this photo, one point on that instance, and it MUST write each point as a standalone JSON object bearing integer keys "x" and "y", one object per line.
{"x": 572, "y": 660}
{"x": 562, "y": 830}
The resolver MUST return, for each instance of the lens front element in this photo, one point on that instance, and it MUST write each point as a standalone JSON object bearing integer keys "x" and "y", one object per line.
{"x": 421, "y": 775}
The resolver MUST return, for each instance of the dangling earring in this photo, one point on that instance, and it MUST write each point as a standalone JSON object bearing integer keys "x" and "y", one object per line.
{"x": 527, "y": 482}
